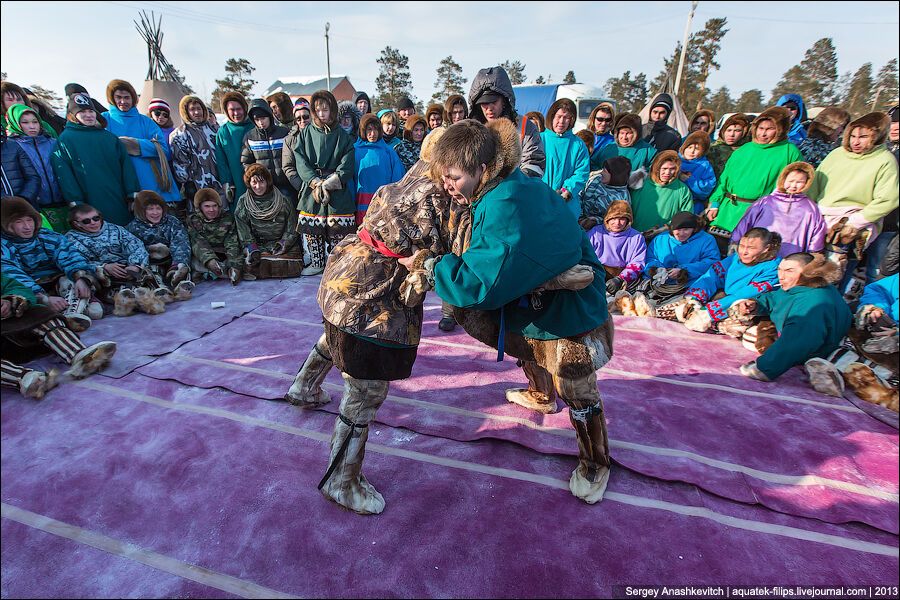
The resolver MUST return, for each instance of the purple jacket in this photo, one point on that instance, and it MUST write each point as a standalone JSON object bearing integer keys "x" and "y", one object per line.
{"x": 626, "y": 249}
{"x": 795, "y": 217}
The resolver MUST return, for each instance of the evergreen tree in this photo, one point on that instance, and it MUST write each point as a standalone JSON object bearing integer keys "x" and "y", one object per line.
{"x": 721, "y": 102}
{"x": 793, "y": 80}
{"x": 180, "y": 79}
{"x": 449, "y": 81}
{"x": 570, "y": 77}
{"x": 237, "y": 79}
{"x": 750, "y": 101}
{"x": 707, "y": 44}
{"x": 539, "y": 80}
{"x": 886, "y": 86}
{"x": 841, "y": 89}
{"x": 48, "y": 96}
{"x": 394, "y": 80}
{"x": 861, "y": 89}
{"x": 515, "y": 70}
{"x": 815, "y": 78}
{"x": 630, "y": 94}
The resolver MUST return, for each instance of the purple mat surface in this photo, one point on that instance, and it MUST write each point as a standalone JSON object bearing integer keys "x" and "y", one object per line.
{"x": 695, "y": 420}
{"x": 225, "y": 482}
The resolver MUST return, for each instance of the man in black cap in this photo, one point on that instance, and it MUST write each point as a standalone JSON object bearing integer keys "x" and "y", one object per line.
{"x": 657, "y": 132}
{"x": 405, "y": 109}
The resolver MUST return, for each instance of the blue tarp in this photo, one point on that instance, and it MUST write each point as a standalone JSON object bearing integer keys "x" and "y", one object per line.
{"x": 534, "y": 98}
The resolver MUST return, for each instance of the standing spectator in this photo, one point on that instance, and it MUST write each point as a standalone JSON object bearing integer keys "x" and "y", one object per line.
{"x": 794, "y": 103}
{"x": 824, "y": 134}
{"x": 434, "y": 116}
{"x": 325, "y": 163}
{"x": 657, "y": 132}
{"x": 194, "y": 149}
{"x": 703, "y": 120}
{"x": 348, "y": 118}
{"x": 600, "y": 123}
{"x": 408, "y": 150}
{"x": 405, "y": 109}
{"x": 389, "y": 125}
{"x": 92, "y": 165}
{"x": 752, "y": 171}
{"x": 25, "y": 129}
{"x": 77, "y": 88}
{"x": 603, "y": 188}
{"x": 302, "y": 118}
{"x": 148, "y": 148}
{"x": 663, "y": 195}
{"x": 455, "y": 110}
{"x": 45, "y": 112}
{"x": 263, "y": 145}
{"x": 362, "y": 102}
{"x": 230, "y": 143}
{"x": 492, "y": 97}
{"x": 376, "y": 164}
{"x": 282, "y": 109}
{"x": 161, "y": 113}
{"x": 536, "y": 118}
{"x": 696, "y": 172}
{"x": 627, "y": 131}
{"x": 734, "y": 133}
{"x": 568, "y": 163}
{"x": 11, "y": 94}
{"x": 588, "y": 138}
{"x": 20, "y": 178}
{"x": 879, "y": 250}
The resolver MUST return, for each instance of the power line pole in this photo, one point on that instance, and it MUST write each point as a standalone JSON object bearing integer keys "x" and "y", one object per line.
{"x": 328, "y": 56}
{"x": 687, "y": 32}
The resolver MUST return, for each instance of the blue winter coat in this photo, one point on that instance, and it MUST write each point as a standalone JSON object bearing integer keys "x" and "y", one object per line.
{"x": 603, "y": 140}
{"x": 702, "y": 180}
{"x": 739, "y": 281}
{"x": 38, "y": 149}
{"x": 112, "y": 244}
{"x": 568, "y": 165}
{"x": 168, "y": 231}
{"x": 376, "y": 165}
{"x": 46, "y": 253}
{"x": 797, "y": 133}
{"x": 20, "y": 178}
{"x": 135, "y": 125}
{"x": 883, "y": 294}
{"x": 695, "y": 256}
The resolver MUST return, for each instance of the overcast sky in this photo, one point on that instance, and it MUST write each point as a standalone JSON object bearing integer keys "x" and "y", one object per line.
{"x": 51, "y": 44}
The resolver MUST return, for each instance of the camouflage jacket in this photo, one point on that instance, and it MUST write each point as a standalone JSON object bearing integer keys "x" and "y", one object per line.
{"x": 281, "y": 228}
{"x": 207, "y": 236}
{"x": 360, "y": 287}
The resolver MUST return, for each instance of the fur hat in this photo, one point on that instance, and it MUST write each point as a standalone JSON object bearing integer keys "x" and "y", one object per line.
{"x": 327, "y": 97}
{"x": 778, "y": 115}
{"x": 661, "y": 158}
{"x": 235, "y": 97}
{"x": 827, "y": 122}
{"x": 258, "y": 169}
{"x": 448, "y": 107}
{"x": 14, "y": 207}
{"x": 878, "y": 122}
{"x": 426, "y": 153}
{"x": 284, "y": 103}
{"x": 117, "y": 85}
{"x": 562, "y": 103}
{"x": 701, "y": 138}
{"x": 683, "y": 220}
{"x": 183, "y": 108}
{"x": 412, "y": 122}
{"x": 367, "y": 119}
{"x": 707, "y": 113}
{"x": 145, "y": 198}
{"x": 604, "y": 106}
{"x": 806, "y": 168}
{"x": 817, "y": 273}
{"x": 619, "y": 208}
{"x": 206, "y": 195}
{"x": 629, "y": 120}
{"x": 619, "y": 168}
{"x": 735, "y": 119}
{"x": 587, "y": 137}
{"x": 345, "y": 107}
{"x": 434, "y": 109}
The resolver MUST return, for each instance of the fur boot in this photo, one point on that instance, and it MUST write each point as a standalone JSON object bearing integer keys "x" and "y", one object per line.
{"x": 699, "y": 321}
{"x": 91, "y": 359}
{"x": 865, "y": 384}
{"x": 540, "y": 395}
{"x": 149, "y": 302}
{"x": 306, "y": 391}
{"x": 642, "y": 306}
{"x": 184, "y": 291}
{"x": 37, "y": 383}
{"x": 158, "y": 252}
{"x": 344, "y": 482}
{"x": 625, "y": 304}
{"x": 125, "y": 303}
{"x": 824, "y": 377}
{"x": 590, "y": 478}
{"x": 166, "y": 295}
{"x": 77, "y": 322}
{"x": 178, "y": 274}
{"x": 94, "y": 310}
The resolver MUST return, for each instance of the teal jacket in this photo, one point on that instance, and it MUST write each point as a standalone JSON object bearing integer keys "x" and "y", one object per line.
{"x": 811, "y": 322}
{"x": 229, "y": 143}
{"x": 522, "y": 235}
{"x": 640, "y": 154}
{"x": 568, "y": 165}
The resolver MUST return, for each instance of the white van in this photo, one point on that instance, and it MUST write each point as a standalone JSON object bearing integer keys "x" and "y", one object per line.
{"x": 539, "y": 98}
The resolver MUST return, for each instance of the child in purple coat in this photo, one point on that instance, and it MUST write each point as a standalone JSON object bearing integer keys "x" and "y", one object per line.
{"x": 620, "y": 248}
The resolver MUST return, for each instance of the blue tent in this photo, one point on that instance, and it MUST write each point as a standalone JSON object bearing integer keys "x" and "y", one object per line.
{"x": 534, "y": 98}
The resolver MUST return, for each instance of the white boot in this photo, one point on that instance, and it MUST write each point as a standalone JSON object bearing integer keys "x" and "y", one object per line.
{"x": 37, "y": 383}
{"x": 306, "y": 391}
{"x": 825, "y": 377}
{"x": 94, "y": 310}
{"x": 91, "y": 359}
{"x": 590, "y": 492}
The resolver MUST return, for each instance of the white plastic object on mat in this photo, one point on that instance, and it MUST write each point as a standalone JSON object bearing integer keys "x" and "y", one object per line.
{"x": 217, "y": 305}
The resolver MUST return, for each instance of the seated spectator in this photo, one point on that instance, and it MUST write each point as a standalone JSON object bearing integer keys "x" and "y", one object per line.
{"x": 376, "y": 164}
{"x": 282, "y": 109}
{"x": 302, "y": 118}
{"x": 703, "y": 120}
{"x": 620, "y": 248}
{"x": 794, "y": 103}
{"x": 604, "y": 187}
{"x": 91, "y": 164}
{"x": 808, "y": 313}
{"x": 20, "y": 177}
{"x": 696, "y": 172}
{"x": 409, "y": 149}
{"x": 657, "y": 132}
{"x": 734, "y": 133}
{"x": 662, "y": 195}
{"x": 161, "y": 113}
{"x": 824, "y": 134}
{"x": 455, "y": 110}
{"x": 266, "y": 224}
{"x": 536, "y": 118}
{"x": 348, "y": 118}
{"x": 166, "y": 241}
{"x": 116, "y": 255}
{"x": 588, "y": 138}
{"x": 677, "y": 258}
{"x": 868, "y": 359}
{"x": 600, "y": 123}
{"x": 25, "y": 129}
{"x": 215, "y": 246}
{"x": 789, "y": 212}
{"x": 363, "y": 103}
{"x": 434, "y": 116}
{"x": 390, "y": 126}
{"x": 25, "y": 322}
{"x": 752, "y": 270}
{"x": 194, "y": 149}
{"x": 627, "y": 132}
{"x": 568, "y": 163}
{"x": 263, "y": 145}
{"x": 47, "y": 264}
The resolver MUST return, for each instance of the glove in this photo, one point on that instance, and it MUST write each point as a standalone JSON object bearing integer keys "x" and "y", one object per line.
{"x": 178, "y": 273}
{"x": 102, "y": 278}
{"x": 278, "y": 249}
{"x": 575, "y": 278}
{"x": 215, "y": 267}
{"x": 252, "y": 255}
{"x": 18, "y": 304}
{"x": 333, "y": 183}
{"x": 234, "y": 275}
{"x": 229, "y": 193}
{"x": 587, "y": 223}
{"x": 752, "y": 371}
{"x": 614, "y": 285}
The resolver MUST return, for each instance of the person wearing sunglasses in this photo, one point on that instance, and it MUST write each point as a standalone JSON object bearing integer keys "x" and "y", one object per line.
{"x": 161, "y": 113}
{"x": 194, "y": 149}
{"x": 600, "y": 124}
{"x": 302, "y": 118}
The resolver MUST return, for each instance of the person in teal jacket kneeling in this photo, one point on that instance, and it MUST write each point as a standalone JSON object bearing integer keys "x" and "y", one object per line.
{"x": 521, "y": 235}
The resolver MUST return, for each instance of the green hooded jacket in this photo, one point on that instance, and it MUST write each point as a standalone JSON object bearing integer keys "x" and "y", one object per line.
{"x": 229, "y": 143}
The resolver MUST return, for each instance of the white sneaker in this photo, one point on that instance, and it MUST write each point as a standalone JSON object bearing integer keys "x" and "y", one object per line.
{"x": 311, "y": 270}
